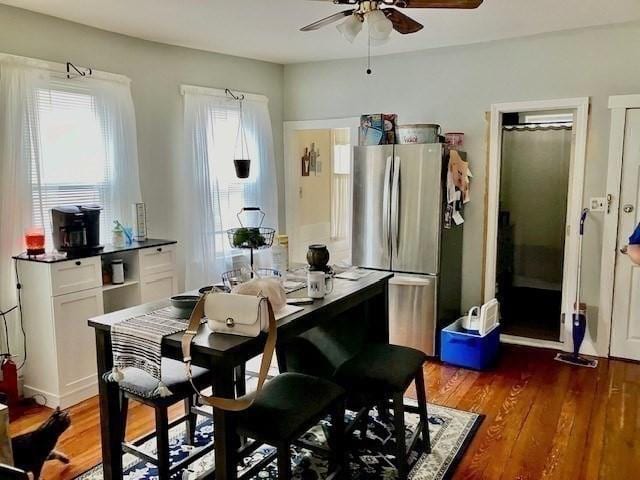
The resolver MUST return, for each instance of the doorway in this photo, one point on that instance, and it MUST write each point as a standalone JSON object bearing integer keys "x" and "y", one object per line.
{"x": 535, "y": 183}
{"x": 319, "y": 186}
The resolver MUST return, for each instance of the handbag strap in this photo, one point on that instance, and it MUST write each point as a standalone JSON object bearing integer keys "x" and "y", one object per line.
{"x": 230, "y": 404}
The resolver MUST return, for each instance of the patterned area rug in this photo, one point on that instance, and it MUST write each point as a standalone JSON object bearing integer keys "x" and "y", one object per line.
{"x": 370, "y": 459}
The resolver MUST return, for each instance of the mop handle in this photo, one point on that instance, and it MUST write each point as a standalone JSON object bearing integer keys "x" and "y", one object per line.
{"x": 583, "y": 217}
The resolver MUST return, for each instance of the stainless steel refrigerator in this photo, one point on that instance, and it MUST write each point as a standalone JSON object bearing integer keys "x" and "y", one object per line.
{"x": 398, "y": 215}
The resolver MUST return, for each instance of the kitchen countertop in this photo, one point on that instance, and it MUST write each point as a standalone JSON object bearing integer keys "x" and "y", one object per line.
{"x": 108, "y": 249}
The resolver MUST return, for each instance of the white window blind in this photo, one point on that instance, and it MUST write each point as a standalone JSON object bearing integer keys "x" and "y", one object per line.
{"x": 74, "y": 168}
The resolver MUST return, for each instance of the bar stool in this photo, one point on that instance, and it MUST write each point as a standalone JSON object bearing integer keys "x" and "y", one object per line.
{"x": 372, "y": 374}
{"x": 138, "y": 385}
{"x": 288, "y": 406}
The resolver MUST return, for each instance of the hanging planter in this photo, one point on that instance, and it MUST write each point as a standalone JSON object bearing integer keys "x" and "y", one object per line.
{"x": 241, "y": 161}
{"x": 243, "y": 167}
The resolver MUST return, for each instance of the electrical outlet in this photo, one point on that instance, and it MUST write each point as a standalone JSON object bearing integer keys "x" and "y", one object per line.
{"x": 597, "y": 204}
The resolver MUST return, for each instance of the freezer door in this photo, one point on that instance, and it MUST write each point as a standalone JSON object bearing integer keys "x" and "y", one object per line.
{"x": 416, "y": 206}
{"x": 412, "y": 312}
{"x": 372, "y": 170}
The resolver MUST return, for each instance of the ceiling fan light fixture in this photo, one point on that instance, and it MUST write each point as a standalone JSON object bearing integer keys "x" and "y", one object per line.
{"x": 380, "y": 27}
{"x": 350, "y": 28}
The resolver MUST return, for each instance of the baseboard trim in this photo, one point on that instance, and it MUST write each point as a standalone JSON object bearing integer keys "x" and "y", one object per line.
{"x": 67, "y": 400}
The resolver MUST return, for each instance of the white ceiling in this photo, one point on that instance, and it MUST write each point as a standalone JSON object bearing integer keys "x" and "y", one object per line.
{"x": 268, "y": 29}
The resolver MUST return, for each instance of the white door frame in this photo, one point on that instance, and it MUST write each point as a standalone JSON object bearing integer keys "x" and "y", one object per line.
{"x": 619, "y": 105}
{"x": 574, "y": 205}
{"x": 292, "y": 164}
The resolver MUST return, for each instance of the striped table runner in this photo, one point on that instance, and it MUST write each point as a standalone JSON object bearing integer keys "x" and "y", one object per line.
{"x": 137, "y": 343}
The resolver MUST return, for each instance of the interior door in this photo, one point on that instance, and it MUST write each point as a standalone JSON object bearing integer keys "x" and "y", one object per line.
{"x": 415, "y": 208}
{"x": 372, "y": 171}
{"x": 625, "y": 333}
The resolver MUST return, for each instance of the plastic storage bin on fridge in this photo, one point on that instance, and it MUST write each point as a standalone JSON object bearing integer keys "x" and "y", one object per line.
{"x": 458, "y": 347}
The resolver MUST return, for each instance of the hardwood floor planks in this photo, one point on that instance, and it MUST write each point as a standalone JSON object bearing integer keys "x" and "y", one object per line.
{"x": 544, "y": 419}
{"x": 531, "y": 452}
{"x": 505, "y": 412}
{"x": 567, "y": 450}
{"x": 620, "y": 451}
{"x": 596, "y": 425}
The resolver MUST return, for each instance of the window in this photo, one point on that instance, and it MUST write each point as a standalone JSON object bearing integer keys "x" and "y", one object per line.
{"x": 74, "y": 168}
{"x": 212, "y": 194}
{"x": 341, "y": 185}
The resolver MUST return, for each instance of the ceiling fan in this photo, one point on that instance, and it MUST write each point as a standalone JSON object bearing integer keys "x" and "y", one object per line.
{"x": 382, "y": 21}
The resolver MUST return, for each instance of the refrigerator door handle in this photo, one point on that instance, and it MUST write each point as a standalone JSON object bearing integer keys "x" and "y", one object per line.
{"x": 385, "y": 202}
{"x": 395, "y": 204}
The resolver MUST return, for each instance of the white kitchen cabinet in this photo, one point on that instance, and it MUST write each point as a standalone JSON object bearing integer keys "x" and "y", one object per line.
{"x": 75, "y": 341}
{"x": 76, "y": 275}
{"x": 158, "y": 286}
{"x": 59, "y": 296}
{"x": 155, "y": 260}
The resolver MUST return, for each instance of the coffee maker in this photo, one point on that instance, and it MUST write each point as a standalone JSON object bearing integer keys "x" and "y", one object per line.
{"x": 76, "y": 229}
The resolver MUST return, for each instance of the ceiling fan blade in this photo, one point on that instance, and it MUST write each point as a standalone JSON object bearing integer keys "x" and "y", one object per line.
{"x": 401, "y": 22}
{"x": 465, "y": 4}
{"x": 327, "y": 21}
{"x": 339, "y": 2}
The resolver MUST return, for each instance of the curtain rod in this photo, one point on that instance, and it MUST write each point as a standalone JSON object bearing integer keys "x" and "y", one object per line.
{"x": 221, "y": 92}
{"x": 61, "y": 68}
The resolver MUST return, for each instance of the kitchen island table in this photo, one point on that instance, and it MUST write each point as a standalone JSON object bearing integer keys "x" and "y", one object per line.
{"x": 362, "y": 306}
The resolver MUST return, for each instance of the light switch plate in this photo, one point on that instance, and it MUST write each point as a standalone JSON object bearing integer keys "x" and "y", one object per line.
{"x": 597, "y": 204}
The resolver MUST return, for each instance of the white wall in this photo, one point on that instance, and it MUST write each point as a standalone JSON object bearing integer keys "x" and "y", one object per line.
{"x": 156, "y": 71}
{"x": 455, "y": 86}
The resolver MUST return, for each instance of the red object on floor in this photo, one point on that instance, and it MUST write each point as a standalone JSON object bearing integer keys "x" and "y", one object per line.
{"x": 9, "y": 384}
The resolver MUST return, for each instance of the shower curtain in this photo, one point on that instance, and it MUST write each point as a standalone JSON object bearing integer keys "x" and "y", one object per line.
{"x": 533, "y": 200}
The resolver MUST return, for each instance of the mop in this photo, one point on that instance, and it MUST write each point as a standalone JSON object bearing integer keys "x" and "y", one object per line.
{"x": 579, "y": 317}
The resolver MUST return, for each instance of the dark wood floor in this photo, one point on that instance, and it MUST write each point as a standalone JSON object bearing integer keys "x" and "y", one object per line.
{"x": 544, "y": 419}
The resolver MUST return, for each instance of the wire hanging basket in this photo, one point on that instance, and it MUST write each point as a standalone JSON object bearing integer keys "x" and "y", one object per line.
{"x": 242, "y": 275}
{"x": 254, "y": 237}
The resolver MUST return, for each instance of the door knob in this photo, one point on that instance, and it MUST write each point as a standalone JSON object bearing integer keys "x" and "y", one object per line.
{"x": 628, "y": 208}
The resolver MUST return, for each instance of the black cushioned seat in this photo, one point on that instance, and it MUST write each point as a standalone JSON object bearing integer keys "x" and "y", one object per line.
{"x": 174, "y": 376}
{"x": 285, "y": 405}
{"x": 380, "y": 367}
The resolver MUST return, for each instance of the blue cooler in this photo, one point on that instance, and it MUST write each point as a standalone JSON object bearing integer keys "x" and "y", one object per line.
{"x": 467, "y": 348}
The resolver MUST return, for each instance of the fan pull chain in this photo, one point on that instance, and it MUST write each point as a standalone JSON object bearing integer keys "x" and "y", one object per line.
{"x": 369, "y": 52}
